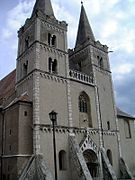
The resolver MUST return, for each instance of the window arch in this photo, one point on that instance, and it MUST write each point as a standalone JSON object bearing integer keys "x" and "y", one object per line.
{"x": 51, "y": 40}
{"x": 62, "y": 160}
{"x": 83, "y": 107}
{"x": 127, "y": 129}
{"x": 109, "y": 155}
{"x": 52, "y": 65}
{"x": 84, "y": 110}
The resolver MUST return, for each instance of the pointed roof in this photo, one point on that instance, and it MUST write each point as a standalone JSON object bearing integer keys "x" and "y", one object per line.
{"x": 84, "y": 29}
{"x": 45, "y": 6}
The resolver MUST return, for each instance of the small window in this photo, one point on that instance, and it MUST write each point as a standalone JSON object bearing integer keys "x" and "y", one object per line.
{"x": 54, "y": 66}
{"x": 49, "y": 39}
{"x": 108, "y": 125}
{"x": 25, "y": 113}
{"x": 27, "y": 43}
{"x": 9, "y": 147}
{"x": 50, "y": 64}
{"x": 10, "y": 131}
{"x": 109, "y": 155}
{"x": 62, "y": 160}
{"x": 25, "y": 68}
{"x": 54, "y": 40}
{"x": 101, "y": 63}
{"x": 127, "y": 129}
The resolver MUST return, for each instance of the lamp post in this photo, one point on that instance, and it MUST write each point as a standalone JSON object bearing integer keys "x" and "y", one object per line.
{"x": 53, "y": 118}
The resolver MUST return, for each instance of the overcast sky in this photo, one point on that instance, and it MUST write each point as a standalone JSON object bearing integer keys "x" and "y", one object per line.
{"x": 113, "y": 24}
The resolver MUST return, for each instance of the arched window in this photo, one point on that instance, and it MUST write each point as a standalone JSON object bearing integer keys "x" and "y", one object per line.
{"x": 83, "y": 104}
{"x": 109, "y": 155}
{"x": 54, "y": 66}
{"x": 127, "y": 129}
{"x": 54, "y": 40}
{"x": 62, "y": 160}
{"x": 84, "y": 110}
{"x": 50, "y": 64}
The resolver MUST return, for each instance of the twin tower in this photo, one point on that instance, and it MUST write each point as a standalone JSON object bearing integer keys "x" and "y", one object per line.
{"x": 77, "y": 85}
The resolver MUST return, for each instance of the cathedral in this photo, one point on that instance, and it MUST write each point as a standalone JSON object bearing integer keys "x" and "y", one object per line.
{"x": 58, "y": 117}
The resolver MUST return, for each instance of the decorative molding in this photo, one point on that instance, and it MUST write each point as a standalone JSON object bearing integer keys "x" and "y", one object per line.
{"x": 15, "y": 155}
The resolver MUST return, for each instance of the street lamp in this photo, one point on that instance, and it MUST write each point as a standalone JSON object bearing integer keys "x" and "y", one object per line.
{"x": 53, "y": 118}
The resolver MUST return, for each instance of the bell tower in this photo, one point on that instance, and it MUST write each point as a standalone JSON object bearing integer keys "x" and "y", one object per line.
{"x": 90, "y": 57}
{"x": 42, "y": 66}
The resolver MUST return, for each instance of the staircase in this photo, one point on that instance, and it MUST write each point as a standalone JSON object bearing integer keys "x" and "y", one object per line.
{"x": 78, "y": 159}
{"x": 36, "y": 169}
{"x": 126, "y": 174}
{"x": 107, "y": 166}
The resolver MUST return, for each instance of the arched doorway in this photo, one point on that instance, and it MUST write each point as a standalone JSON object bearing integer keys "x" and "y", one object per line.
{"x": 92, "y": 162}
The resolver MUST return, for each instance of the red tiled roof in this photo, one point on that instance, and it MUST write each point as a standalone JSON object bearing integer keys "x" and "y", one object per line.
{"x": 7, "y": 85}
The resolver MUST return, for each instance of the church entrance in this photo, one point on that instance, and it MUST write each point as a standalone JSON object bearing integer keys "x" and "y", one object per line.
{"x": 92, "y": 162}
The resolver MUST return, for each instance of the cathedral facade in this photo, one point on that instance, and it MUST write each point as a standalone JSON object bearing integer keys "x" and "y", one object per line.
{"x": 91, "y": 138}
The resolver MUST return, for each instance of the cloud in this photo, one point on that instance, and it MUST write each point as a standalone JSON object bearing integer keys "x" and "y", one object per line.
{"x": 16, "y": 18}
{"x": 112, "y": 23}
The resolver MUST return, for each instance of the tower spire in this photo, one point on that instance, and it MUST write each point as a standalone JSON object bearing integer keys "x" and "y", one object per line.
{"x": 84, "y": 29}
{"x": 45, "y": 6}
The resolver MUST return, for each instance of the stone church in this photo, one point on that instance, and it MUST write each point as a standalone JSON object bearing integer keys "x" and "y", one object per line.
{"x": 89, "y": 138}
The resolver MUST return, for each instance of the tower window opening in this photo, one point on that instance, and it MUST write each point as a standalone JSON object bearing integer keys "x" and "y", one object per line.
{"x": 62, "y": 160}
{"x": 27, "y": 43}
{"x": 54, "y": 66}
{"x": 54, "y": 40}
{"x": 108, "y": 125}
{"x": 101, "y": 63}
{"x": 49, "y": 39}
{"x": 25, "y": 68}
{"x": 50, "y": 64}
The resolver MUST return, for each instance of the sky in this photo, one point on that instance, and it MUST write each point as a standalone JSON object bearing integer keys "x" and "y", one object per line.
{"x": 113, "y": 24}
